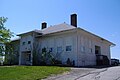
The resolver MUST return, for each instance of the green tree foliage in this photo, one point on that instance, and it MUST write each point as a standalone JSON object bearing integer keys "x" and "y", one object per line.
{"x": 11, "y": 57}
{"x": 46, "y": 56}
{"x": 2, "y": 50}
{"x": 5, "y": 34}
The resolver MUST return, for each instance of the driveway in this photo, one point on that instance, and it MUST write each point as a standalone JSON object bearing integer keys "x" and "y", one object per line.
{"x": 111, "y": 73}
{"x": 72, "y": 75}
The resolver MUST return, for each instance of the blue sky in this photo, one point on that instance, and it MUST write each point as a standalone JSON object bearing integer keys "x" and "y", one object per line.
{"x": 101, "y": 17}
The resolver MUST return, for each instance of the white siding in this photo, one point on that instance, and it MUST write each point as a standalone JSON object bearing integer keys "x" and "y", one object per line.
{"x": 26, "y": 47}
{"x": 61, "y": 40}
{"x": 88, "y": 41}
{"x": 82, "y": 44}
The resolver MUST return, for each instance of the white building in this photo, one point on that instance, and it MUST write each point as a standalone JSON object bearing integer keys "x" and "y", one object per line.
{"x": 65, "y": 41}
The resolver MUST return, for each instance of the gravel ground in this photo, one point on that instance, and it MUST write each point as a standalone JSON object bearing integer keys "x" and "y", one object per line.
{"x": 110, "y": 73}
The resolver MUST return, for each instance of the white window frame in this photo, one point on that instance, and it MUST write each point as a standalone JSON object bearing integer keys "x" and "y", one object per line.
{"x": 82, "y": 49}
{"x": 29, "y": 42}
{"x": 23, "y": 43}
{"x": 59, "y": 49}
{"x": 69, "y": 48}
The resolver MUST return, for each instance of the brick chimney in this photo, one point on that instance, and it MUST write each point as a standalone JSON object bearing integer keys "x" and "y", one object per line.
{"x": 74, "y": 20}
{"x": 44, "y": 25}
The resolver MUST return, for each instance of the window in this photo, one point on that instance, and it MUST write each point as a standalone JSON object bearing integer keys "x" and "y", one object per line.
{"x": 90, "y": 50}
{"x": 23, "y": 43}
{"x": 82, "y": 49}
{"x": 68, "y": 48}
{"x": 29, "y": 42}
{"x": 59, "y": 49}
{"x": 97, "y": 50}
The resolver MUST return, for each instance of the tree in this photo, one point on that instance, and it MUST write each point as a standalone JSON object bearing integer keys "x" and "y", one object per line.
{"x": 36, "y": 54}
{"x": 5, "y": 34}
{"x": 11, "y": 55}
{"x": 46, "y": 56}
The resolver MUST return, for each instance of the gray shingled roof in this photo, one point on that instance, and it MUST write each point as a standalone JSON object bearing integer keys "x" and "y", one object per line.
{"x": 64, "y": 27}
{"x": 52, "y": 29}
{"x": 57, "y": 28}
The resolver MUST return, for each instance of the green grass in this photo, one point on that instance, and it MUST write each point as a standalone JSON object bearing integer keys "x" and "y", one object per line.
{"x": 29, "y": 72}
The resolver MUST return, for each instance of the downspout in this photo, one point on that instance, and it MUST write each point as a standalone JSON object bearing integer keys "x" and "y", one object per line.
{"x": 77, "y": 50}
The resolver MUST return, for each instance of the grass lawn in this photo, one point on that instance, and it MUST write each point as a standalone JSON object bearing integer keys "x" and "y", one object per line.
{"x": 29, "y": 72}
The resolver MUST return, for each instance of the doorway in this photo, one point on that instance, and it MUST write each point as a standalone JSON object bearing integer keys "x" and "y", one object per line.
{"x": 97, "y": 50}
{"x": 26, "y": 57}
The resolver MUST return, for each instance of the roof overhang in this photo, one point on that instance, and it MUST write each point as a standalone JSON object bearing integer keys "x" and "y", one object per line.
{"x": 34, "y": 31}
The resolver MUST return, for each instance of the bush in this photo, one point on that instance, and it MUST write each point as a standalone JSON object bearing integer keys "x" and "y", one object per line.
{"x": 56, "y": 62}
